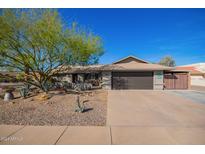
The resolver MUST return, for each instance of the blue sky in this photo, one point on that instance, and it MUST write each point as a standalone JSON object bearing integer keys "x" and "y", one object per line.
{"x": 148, "y": 34}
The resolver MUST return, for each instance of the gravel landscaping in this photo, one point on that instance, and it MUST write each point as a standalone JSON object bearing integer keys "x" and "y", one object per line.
{"x": 58, "y": 110}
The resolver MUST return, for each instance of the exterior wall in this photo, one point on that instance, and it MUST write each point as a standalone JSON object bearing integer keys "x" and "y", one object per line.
{"x": 158, "y": 83}
{"x": 106, "y": 80}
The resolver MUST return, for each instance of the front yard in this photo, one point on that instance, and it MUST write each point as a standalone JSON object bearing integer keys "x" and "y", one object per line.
{"x": 58, "y": 110}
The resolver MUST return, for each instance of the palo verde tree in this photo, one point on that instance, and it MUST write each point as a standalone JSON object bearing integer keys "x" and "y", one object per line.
{"x": 85, "y": 48}
{"x": 167, "y": 61}
{"x": 37, "y": 43}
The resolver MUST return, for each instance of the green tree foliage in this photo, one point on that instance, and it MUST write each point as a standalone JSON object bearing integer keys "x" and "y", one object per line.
{"x": 37, "y": 43}
{"x": 167, "y": 61}
{"x": 84, "y": 46}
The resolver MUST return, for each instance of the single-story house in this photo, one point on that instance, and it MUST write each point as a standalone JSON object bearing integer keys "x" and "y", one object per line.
{"x": 130, "y": 73}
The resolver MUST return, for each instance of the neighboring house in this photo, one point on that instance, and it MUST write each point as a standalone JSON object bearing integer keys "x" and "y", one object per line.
{"x": 197, "y": 72}
{"x": 199, "y": 66}
{"x": 130, "y": 73}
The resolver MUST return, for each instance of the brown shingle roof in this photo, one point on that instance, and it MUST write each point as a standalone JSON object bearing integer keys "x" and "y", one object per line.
{"x": 131, "y": 66}
{"x": 130, "y": 58}
{"x": 140, "y": 66}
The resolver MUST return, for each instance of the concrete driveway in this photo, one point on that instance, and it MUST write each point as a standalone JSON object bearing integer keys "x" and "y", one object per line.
{"x": 196, "y": 96}
{"x": 155, "y": 117}
{"x": 198, "y": 88}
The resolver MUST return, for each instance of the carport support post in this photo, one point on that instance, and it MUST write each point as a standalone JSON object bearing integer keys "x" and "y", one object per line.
{"x": 189, "y": 80}
{"x": 158, "y": 83}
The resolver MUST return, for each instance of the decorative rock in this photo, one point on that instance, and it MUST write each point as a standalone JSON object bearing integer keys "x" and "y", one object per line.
{"x": 8, "y": 96}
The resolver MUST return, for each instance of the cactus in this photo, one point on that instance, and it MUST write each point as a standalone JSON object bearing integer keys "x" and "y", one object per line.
{"x": 80, "y": 106}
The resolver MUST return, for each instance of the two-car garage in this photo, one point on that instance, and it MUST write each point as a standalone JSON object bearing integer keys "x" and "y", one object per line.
{"x": 132, "y": 80}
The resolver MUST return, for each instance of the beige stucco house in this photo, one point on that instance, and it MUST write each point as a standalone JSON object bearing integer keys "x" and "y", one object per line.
{"x": 130, "y": 73}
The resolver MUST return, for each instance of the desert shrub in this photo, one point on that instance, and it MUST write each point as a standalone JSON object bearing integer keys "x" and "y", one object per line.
{"x": 50, "y": 85}
{"x": 57, "y": 85}
{"x": 67, "y": 85}
{"x": 83, "y": 86}
{"x": 24, "y": 91}
{"x": 47, "y": 86}
{"x": 94, "y": 82}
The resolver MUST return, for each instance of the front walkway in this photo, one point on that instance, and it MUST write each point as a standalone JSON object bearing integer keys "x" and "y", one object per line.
{"x": 134, "y": 117}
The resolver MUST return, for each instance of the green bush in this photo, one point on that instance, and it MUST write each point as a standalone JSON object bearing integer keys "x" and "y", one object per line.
{"x": 24, "y": 91}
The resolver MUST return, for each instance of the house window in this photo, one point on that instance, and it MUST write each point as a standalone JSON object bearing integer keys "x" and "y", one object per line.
{"x": 74, "y": 78}
{"x": 89, "y": 76}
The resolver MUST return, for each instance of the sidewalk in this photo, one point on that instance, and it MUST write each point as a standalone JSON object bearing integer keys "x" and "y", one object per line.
{"x": 43, "y": 135}
{"x": 97, "y": 135}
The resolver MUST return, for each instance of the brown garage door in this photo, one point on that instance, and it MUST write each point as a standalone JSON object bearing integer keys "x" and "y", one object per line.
{"x": 176, "y": 80}
{"x": 132, "y": 80}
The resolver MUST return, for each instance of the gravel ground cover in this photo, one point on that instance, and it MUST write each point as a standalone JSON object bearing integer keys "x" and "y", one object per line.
{"x": 58, "y": 110}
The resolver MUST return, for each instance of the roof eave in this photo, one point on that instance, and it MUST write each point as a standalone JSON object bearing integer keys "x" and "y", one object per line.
{"x": 130, "y": 57}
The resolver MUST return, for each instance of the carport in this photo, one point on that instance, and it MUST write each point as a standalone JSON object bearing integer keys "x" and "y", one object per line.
{"x": 176, "y": 79}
